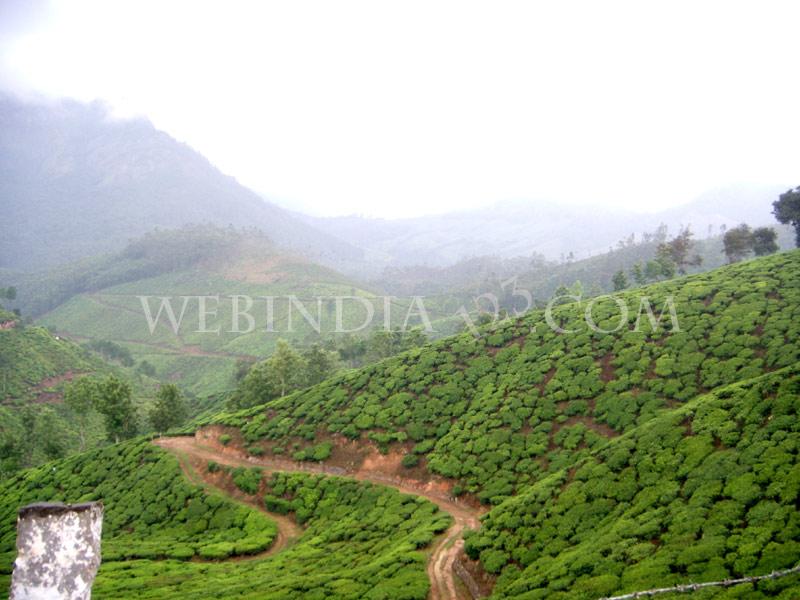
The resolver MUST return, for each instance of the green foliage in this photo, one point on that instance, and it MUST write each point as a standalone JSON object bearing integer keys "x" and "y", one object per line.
{"x": 676, "y": 254}
{"x": 705, "y": 492}
{"x": 764, "y": 241}
{"x": 505, "y": 410}
{"x": 169, "y": 410}
{"x": 247, "y": 480}
{"x": 787, "y": 210}
{"x": 151, "y": 511}
{"x": 410, "y": 460}
{"x": 316, "y": 453}
{"x": 737, "y": 242}
{"x": 620, "y": 281}
{"x": 282, "y": 372}
{"x": 113, "y": 401}
{"x": 111, "y": 351}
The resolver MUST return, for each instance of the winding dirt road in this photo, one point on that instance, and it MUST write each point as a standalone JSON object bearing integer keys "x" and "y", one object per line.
{"x": 444, "y": 582}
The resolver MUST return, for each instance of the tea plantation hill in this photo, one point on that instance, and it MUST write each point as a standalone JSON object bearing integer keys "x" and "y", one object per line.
{"x": 516, "y": 404}
{"x": 164, "y": 537}
{"x": 609, "y": 462}
{"x": 34, "y": 363}
{"x": 525, "y": 406}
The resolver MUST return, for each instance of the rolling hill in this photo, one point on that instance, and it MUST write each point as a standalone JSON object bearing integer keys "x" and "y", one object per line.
{"x": 101, "y": 299}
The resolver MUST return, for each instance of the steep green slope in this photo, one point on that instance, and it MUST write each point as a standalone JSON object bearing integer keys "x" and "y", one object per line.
{"x": 34, "y": 363}
{"x": 505, "y": 410}
{"x": 705, "y": 492}
{"x": 160, "y": 532}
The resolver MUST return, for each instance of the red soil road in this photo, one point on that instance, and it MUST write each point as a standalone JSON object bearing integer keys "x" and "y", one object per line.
{"x": 194, "y": 467}
{"x": 444, "y": 584}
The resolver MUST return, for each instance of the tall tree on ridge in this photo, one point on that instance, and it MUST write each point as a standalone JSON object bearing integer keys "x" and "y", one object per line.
{"x": 764, "y": 241}
{"x": 787, "y": 211}
{"x": 737, "y": 242}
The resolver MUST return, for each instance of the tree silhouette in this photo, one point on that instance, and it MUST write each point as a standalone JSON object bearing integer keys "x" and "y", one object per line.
{"x": 787, "y": 211}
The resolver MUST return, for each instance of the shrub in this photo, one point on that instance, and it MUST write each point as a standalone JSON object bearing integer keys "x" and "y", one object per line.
{"x": 410, "y": 460}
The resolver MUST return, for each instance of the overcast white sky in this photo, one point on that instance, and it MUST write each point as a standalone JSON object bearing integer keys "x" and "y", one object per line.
{"x": 406, "y": 108}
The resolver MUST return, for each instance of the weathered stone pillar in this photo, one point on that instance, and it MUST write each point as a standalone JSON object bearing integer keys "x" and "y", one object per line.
{"x": 58, "y": 551}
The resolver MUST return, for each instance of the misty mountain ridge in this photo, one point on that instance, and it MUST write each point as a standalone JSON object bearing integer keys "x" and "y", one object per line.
{"x": 514, "y": 228}
{"x": 76, "y": 183}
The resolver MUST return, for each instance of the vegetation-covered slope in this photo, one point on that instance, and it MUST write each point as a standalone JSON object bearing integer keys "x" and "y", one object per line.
{"x": 706, "y": 492}
{"x": 35, "y": 368}
{"x": 360, "y": 540}
{"x": 33, "y": 361}
{"x": 151, "y": 511}
{"x": 99, "y": 300}
{"x": 503, "y": 411}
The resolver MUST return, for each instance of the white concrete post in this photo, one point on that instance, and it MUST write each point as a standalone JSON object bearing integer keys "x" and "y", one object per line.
{"x": 58, "y": 551}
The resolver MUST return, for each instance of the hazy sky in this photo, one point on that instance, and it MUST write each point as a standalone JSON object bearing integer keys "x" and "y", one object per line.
{"x": 404, "y": 108}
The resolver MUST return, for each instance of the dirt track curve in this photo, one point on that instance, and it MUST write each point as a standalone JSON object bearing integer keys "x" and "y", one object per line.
{"x": 444, "y": 582}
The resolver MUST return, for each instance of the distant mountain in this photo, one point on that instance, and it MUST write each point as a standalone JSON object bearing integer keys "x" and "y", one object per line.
{"x": 522, "y": 228}
{"x": 75, "y": 183}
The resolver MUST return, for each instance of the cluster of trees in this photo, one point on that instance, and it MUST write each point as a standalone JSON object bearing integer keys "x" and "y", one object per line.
{"x": 111, "y": 351}
{"x": 285, "y": 371}
{"x": 30, "y": 435}
{"x": 357, "y": 351}
{"x": 290, "y": 369}
{"x": 112, "y": 398}
{"x": 740, "y": 241}
{"x": 676, "y": 255}
{"x": 672, "y": 257}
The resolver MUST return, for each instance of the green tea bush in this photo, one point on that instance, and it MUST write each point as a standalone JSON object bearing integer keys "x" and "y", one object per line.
{"x": 360, "y": 541}
{"x": 151, "y": 511}
{"x": 667, "y": 503}
{"x": 247, "y": 480}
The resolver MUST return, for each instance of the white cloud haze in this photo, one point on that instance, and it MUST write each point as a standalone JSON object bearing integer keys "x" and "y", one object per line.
{"x": 407, "y": 108}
